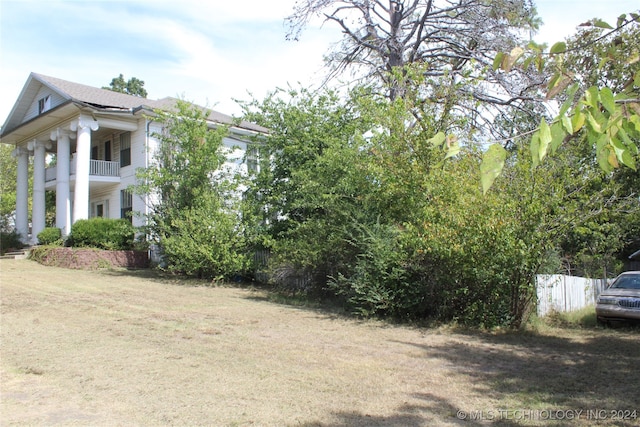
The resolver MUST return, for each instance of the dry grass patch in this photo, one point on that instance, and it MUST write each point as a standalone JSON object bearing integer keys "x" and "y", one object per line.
{"x": 133, "y": 348}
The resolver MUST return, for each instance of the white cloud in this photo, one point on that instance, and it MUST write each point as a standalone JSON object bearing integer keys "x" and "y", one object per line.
{"x": 208, "y": 51}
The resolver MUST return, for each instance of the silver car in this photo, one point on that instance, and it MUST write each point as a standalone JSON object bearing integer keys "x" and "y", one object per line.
{"x": 621, "y": 300}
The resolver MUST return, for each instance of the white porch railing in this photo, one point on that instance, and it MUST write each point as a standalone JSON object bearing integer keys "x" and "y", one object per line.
{"x": 96, "y": 168}
{"x": 104, "y": 168}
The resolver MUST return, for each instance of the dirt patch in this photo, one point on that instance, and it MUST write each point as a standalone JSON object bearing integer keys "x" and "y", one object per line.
{"x": 128, "y": 348}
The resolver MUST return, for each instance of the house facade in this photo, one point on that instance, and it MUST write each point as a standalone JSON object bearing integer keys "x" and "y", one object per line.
{"x": 86, "y": 144}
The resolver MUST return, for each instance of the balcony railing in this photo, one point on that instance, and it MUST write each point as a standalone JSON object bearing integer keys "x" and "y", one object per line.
{"x": 104, "y": 168}
{"x": 96, "y": 168}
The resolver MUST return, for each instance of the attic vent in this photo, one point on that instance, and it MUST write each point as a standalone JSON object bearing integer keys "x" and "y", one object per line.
{"x": 44, "y": 104}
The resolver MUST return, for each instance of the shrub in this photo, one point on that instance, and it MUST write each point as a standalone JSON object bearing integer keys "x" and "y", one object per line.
{"x": 9, "y": 240}
{"x": 378, "y": 282}
{"x": 204, "y": 244}
{"x": 102, "y": 233}
{"x": 49, "y": 236}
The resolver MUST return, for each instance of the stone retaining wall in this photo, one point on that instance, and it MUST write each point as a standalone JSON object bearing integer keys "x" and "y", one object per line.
{"x": 89, "y": 259}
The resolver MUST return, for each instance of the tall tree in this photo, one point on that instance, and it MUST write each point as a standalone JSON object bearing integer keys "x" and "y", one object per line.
{"x": 451, "y": 45}
{"x": 193, "y": 210}
{"x": 133, "y": 86}
{"x": 8, "y": 177}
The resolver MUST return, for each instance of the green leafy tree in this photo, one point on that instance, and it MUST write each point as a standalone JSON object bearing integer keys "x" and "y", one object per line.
{"x": 194, "y": 209}
{"x": 594, "y": 79}
{"x": 311, "y": 187}
{"x": 8, "y": 180}
{"x": 133, "y": 86}
{"x": 606, "y": 112}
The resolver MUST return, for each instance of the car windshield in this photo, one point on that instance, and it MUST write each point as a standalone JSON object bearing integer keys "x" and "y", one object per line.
{"x": 631, "y": 281}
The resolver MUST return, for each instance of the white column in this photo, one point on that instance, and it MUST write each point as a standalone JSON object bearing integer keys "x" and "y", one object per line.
{"x": 63, "y": 200}
{"x": 22, "y": 193}
{"x": 84, "y": 126}
{"x": 38, "y": 207}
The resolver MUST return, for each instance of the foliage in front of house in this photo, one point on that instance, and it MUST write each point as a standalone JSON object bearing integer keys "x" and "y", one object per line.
{"x": 392, "y": 205}
{"x": 9, "y": 240}
{"x": 102, "y": 233}
{"x": 49, "y": 236}
{"x": 378, "y": 215}
{"x": 194, "y": 213}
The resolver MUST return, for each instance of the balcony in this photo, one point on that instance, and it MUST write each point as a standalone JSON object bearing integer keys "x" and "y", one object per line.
{"x": 103, "y": 168}
{"x": 100, "y": 171}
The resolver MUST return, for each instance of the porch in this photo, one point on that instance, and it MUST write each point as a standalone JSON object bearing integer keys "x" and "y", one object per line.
{"x": 100, "y": 171}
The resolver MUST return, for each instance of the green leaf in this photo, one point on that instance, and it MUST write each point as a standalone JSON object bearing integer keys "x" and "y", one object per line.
{"x": 623, "y": 154}
{"x": 578, "y": 120}
{"x": 527, "y": 62}
{"x": 559, "y": 47}
{"x": 603, "y": 160}
{"x": 593, "y": 123}
{"x": 599, "y": 23}
{"x": 545, "y": 139}
{"x": 606, "y": 97}
{"x": 492, "y": 165}
{"x": 454, "y": 149}
{"x": 535, "y": 148}
{"x": 498, "y": 60}
{"x": 603, "y": 62}
{"x": 557, "y": 136}
{"x": 636, "y": 79}
{"x": 621, "y": 20}
{"x": 571, "y": 93}
{"x": 438, "y": 139}
{"x": 591, "y": 97}
{"x": 625, "y": 137}
{"x": 566, "y": 123}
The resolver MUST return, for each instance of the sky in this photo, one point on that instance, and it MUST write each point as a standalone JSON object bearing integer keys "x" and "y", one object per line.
{"x": 206, "y": 51}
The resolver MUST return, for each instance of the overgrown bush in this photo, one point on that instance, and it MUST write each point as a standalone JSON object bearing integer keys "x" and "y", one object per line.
{"x": 50, "y": 236}
{"x": 194, "y": 219}
{"x": 102, "y": 233}
{"x": 9, "y": 240}
{"x": 378, "y": 283}
{"x": 204, "y": 244}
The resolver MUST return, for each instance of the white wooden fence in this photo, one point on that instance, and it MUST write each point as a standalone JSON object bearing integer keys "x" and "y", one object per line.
{"x": 557, "y": 292}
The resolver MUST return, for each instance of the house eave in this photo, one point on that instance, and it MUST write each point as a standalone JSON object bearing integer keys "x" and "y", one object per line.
{"x": 42, "y": 124}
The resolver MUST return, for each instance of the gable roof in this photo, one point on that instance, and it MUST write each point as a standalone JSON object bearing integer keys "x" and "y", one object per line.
{"x": 100, "y": 99}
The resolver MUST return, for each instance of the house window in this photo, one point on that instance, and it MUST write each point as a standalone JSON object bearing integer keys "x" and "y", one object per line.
{"x": 94, "y": 152}
{"x": 252, "y": 159}
{"x": 126, "y": 205}
{"x": 107, "y": 151}
{"x": 44, "y": 104}
{"x": 100, "y": 209}
{"x": 125, "y": 149}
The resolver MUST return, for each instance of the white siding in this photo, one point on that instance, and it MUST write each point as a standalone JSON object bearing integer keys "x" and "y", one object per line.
{"x": 105, "y": 197}
{"x": 56, "y": 100}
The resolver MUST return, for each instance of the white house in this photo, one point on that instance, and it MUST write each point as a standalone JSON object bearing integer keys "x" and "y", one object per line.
{"x": 100, "y": 138}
